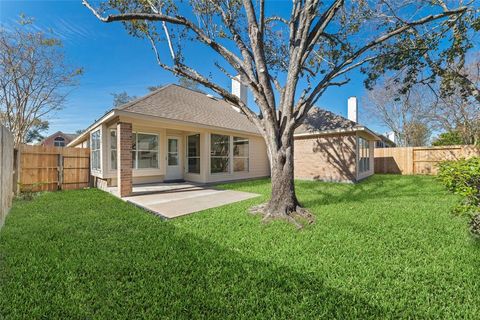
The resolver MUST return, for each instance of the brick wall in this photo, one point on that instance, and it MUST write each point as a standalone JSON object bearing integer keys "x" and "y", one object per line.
{"x": 124, "y": 158}
{"x": 49, "y": 141}
{"x": 326, "y": 158}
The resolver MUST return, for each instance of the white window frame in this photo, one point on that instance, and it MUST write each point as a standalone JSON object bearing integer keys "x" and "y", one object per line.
{"x": 99, "y": 150}
{"x": 240, "y": 157}
{"x": 137, "y": 150}
{"x": 363, "y": 155}
{"x": 110, "y": 148}
{"x": 62, "y": 141}
{"x": 228, "y": 156}
{"x": 187, "y": 157}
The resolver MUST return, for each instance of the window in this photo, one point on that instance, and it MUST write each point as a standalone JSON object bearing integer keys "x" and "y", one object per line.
{"x": 113, "y": 149}
{"x": 144, "y": 151}
{"x": 193, "y": 153}
{"x": 173, "y": 152}
{"x": 59, "y": 142}
{"x": 240, "y": 154}
{"x": 95, "y": 150}
{"x": 363, "y": 155}
{"x": 219, "y": 153}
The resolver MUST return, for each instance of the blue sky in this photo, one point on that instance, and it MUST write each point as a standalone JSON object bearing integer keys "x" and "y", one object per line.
{"x": 114, "y": 61}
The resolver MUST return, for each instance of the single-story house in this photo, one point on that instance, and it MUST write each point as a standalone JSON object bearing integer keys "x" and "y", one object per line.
{"x": 175, "y": 133}
{"x": 58, "y": 139}
{"x": 386, "y": 141}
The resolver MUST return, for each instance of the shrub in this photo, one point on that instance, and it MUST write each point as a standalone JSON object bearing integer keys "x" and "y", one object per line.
{"x": 28, "y": 191}
{"x": 475, "y": 226}
{"x": 462, "y": 177}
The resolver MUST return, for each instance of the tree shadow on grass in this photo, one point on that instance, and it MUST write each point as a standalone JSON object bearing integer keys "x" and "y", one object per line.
{"x": 127, "y": 264}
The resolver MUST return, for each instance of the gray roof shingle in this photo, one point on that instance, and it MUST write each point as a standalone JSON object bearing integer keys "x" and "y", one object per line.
{"x": 175, "y": 102}
{"x": 319, "y": 120}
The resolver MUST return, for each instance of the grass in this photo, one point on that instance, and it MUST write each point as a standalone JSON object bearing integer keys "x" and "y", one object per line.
{"x": 384, "y": 248}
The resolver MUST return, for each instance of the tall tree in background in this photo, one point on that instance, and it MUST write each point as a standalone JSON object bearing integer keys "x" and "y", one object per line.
{"x": 397, "y": 106}
{"x": 457, "y": 112}
{"x": 417, "y": 134}
{"x": 188, "y": 83}
{"x": 286, "y": 60}
{"x": 406, "y": 114}
{"x": 122, "y": 98}
{"x": 33, "y": 79}
{"x": 36, "y": 131}
{"x": 448, "y": 58}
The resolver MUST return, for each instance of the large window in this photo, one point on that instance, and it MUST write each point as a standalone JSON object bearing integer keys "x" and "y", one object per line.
{"x": 59, "y": 142}
{"x": 193, "y": 153}
{"x": 240, "y": 154}
{"x": 95, "y": 150}
{"x": 113, "y": 149}
{"x": 144, "y": 151}
{"x": 363, "y": 155}
{"x": 219, "y": 153}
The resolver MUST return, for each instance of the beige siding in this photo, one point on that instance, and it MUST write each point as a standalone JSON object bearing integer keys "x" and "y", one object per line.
{"x": 326, "y": 158}
{"x": 259, "y": 165}
{"x": 258, "y": 162}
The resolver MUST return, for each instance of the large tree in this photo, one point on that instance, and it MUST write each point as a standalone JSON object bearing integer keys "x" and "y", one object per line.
{"x": 457, "y": 111}
{"x": 33, "y": 78}
{"x": 447, "y": 57}
{"x": 407, "y": 114}
{"x": 286, "y": 59}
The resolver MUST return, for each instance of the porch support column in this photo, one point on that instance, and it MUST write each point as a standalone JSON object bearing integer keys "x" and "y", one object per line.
{"x": 124, "y": 159}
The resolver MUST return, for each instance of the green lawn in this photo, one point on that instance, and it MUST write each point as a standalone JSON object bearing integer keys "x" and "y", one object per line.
{"x": 384, "y": 248}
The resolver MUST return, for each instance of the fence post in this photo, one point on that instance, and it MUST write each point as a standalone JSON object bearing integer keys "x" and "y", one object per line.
{"x": 16, "y": 168}
{"x": 60, "y": 170}
{"x": 413, "y": 161}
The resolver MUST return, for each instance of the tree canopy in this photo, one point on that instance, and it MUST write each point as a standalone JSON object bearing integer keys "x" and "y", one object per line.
{"x": 33, "y": 79}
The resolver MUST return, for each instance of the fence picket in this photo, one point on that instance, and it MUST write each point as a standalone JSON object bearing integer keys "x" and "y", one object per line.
{"x": 419, "y": 160}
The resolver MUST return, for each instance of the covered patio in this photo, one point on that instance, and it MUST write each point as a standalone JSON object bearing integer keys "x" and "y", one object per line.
{"x": 175, "y": 199}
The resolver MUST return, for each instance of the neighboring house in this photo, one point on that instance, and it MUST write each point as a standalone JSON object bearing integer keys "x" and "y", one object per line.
{"x": 58, "y": 139}
{"x": 175, "y": 133}
{"x": 329, "y": 147}
{"x": 385, "y": 142}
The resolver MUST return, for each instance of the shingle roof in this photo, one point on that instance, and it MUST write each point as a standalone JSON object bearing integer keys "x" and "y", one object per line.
{"x": 179, "y": 103}
{"x": 71, "y": 136}
{"x": 319, "y": 120}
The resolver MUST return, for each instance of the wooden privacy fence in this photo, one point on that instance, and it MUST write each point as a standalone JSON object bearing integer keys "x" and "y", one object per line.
{"x": 53, "y": 168}
{"x": 6, "y": 172}
{"x": 419, "y": 160}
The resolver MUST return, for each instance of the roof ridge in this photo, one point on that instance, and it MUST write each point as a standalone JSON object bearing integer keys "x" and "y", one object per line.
{"x": 148, "y": 95}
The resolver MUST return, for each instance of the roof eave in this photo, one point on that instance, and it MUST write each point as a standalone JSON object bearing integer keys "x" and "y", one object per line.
{"x": 338, "y": 131}
{"x": 190, "y": 123}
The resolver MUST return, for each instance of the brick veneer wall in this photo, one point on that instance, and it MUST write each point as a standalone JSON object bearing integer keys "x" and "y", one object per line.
{"x": 326, "y": 158}
{"x": 124, "y": 158}
{"x": 49, "y": 141}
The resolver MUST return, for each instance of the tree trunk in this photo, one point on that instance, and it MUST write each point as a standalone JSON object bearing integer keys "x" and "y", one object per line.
{"x": 283, "y": 203}
{"x": 283, "y": 200}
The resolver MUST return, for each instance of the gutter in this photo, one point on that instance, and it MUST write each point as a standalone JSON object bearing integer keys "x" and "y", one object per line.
{"x": 336, "y": 131}
{"x": 116, "y": 112}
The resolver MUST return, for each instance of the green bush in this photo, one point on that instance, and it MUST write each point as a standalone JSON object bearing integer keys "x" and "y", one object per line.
{"x": 462, "y": 177}
{"x": 475, "y": 226}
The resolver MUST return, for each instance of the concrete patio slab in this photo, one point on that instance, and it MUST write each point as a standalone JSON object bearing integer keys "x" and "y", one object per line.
{"x": 179, "y": 199}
